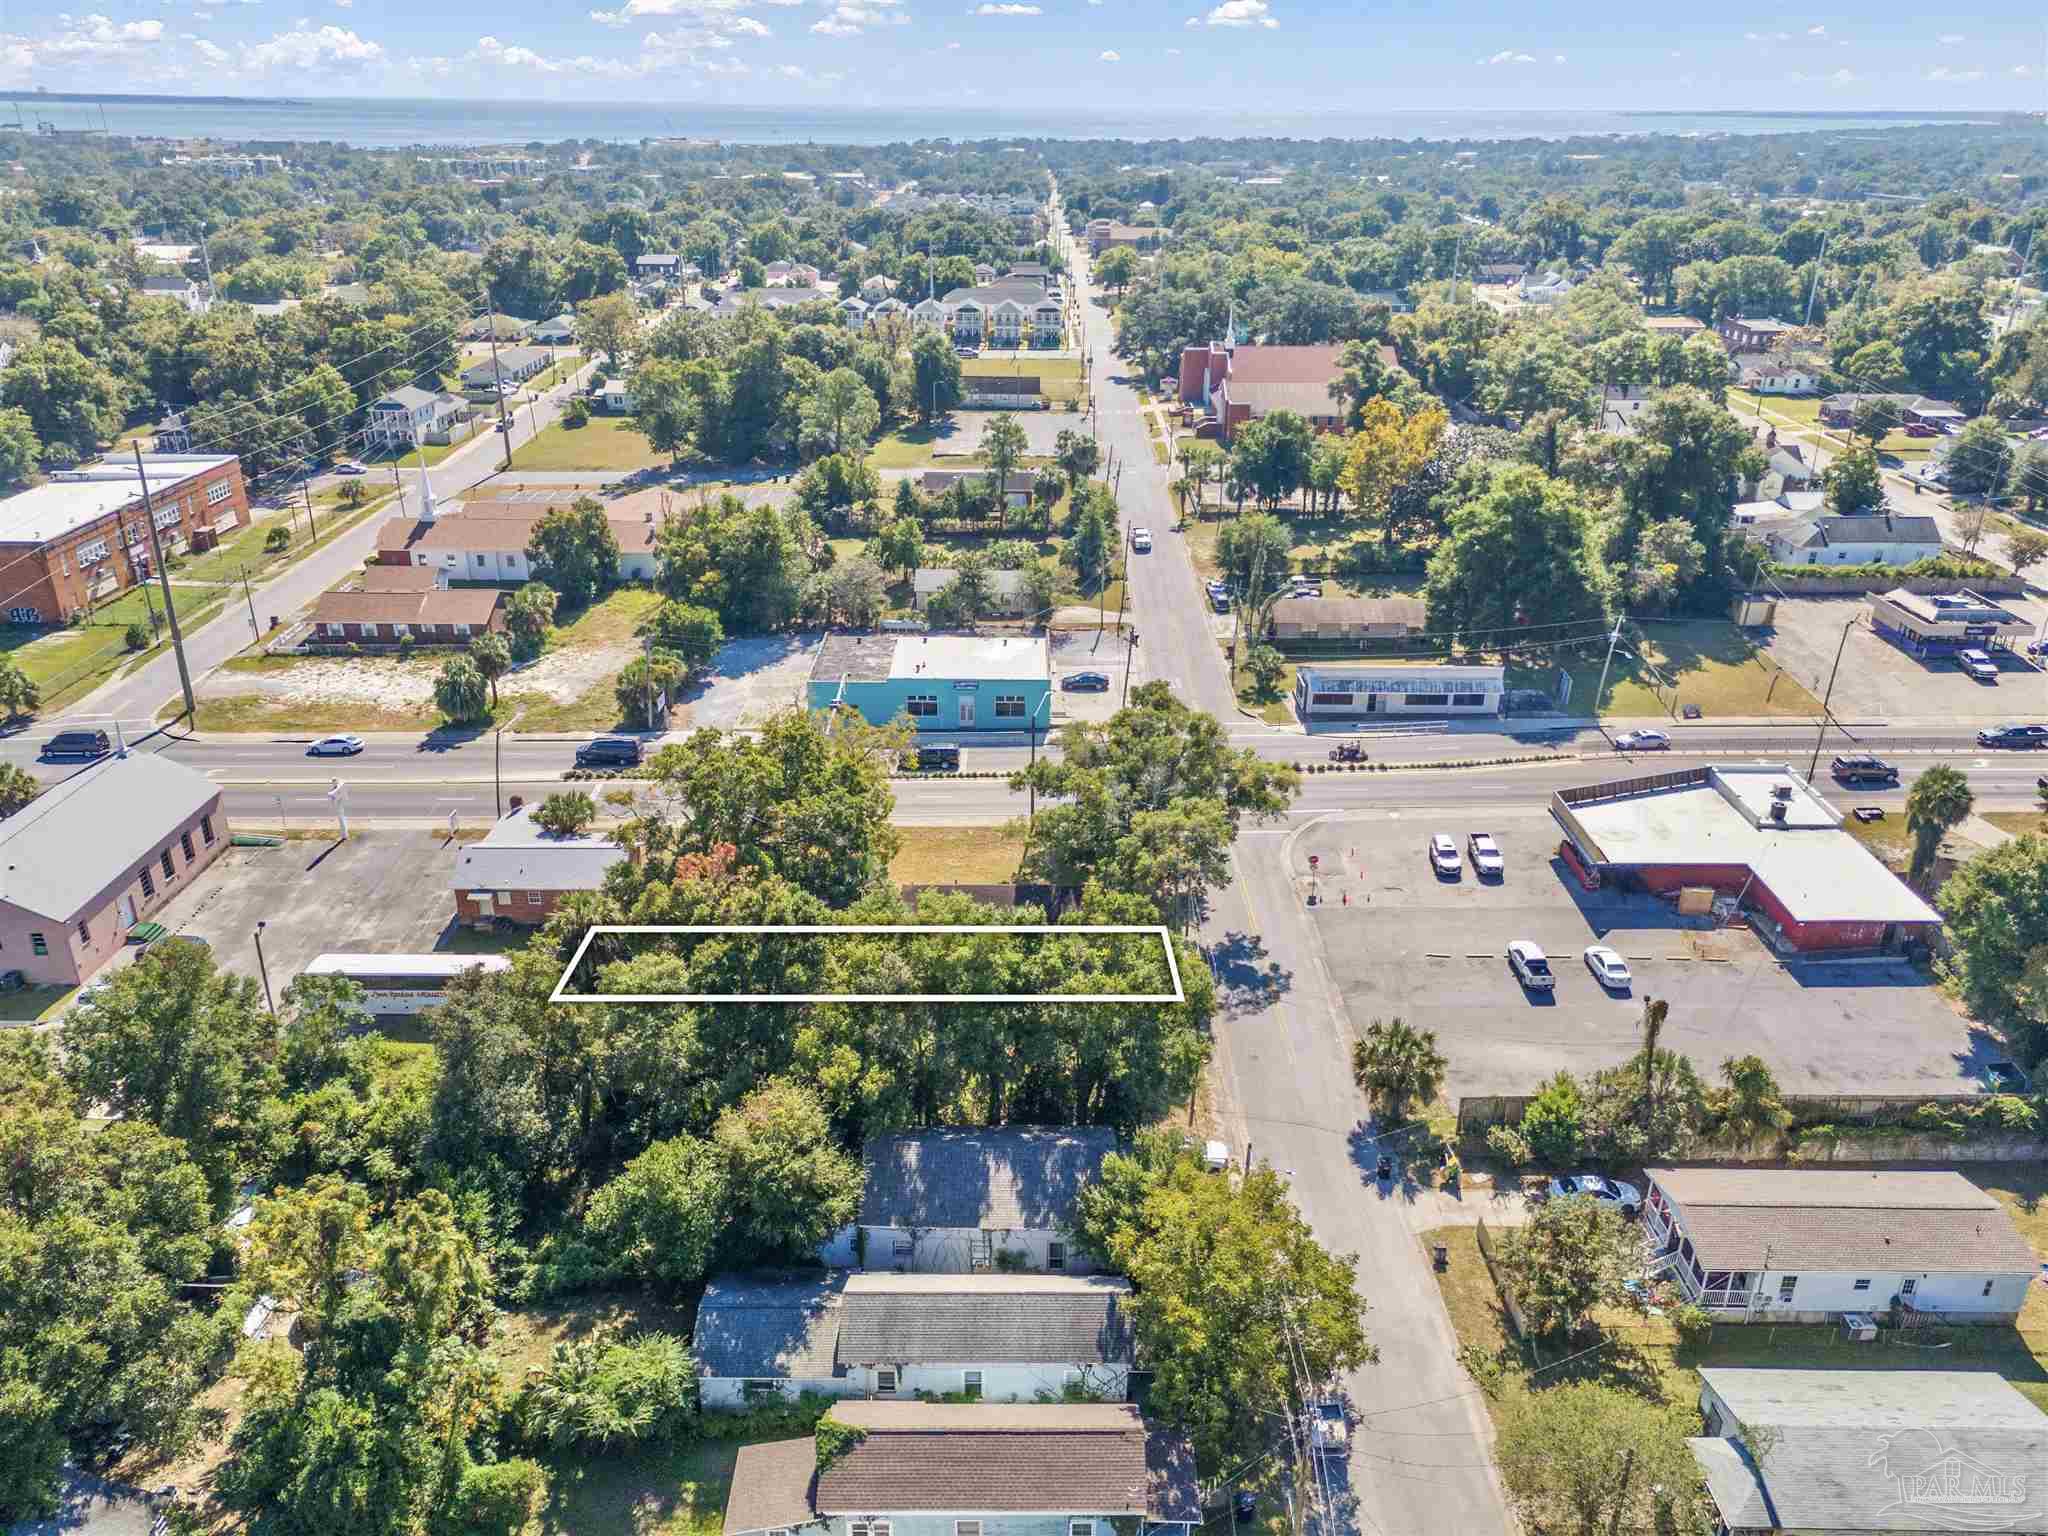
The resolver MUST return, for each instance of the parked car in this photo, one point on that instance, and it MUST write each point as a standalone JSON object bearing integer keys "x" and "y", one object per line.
{"x": 350, "y": 469}
{"x": 90, "y": 743}
{"x": 609, "y": 752}
{"x": 1141, "y": 539}
{"x": 1305, "y": 592}
{"x": 938, "y": 759}
{"x": 1596, "y": 1186}
{"x": 1864, "y": 770}
{"x": 1978, "y": 664}
{"x": 1086, "y": 682}
{"x": 1531, "y": 966}
{"x": 336, "y": 746}
{"x": 1443, "y": 855}
{"x": 1220, "y": 601}
{"x": 2014, "y": 736}
{"x": 1485, "y": 853}
{"x": 1643, "y": 741}
{"x": 1608, "y": 968}
{"x": 1329, "y": 1432}
{"x": 1920, "y": 429}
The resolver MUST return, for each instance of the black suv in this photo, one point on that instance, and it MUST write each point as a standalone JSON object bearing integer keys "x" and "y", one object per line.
{"x": 1864, "y": 770}
{"x": 938, "y": 759}
{"x": 609, "y": 752}
{"x": 87, "y": 744}
{"x": 2014, "y": 736}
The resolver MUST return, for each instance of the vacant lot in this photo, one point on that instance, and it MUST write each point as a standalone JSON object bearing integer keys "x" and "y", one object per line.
{"x": 1707, "y": 663}
{"x": 956, "y": 856}
{"x": 1431, "y": 950}
{"x": 1804, "y": 415}
{"x": 1059, "y": 378}
{"x": 1878, "y": 681}
{"x": 602, "y": 443}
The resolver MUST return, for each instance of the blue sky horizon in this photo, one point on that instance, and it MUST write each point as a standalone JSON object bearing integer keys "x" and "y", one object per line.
{"x": 1138, "y": 58}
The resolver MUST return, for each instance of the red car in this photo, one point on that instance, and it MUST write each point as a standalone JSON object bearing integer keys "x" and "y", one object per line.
{"x": 1920, "y": 429}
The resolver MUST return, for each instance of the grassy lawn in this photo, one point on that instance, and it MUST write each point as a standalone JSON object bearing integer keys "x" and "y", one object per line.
{"x": 1709, "y": 663}
{"x": 665, "y": 1491}
{"x": 911, "y": 448}
{"x": 1318, "y": 544}
{"x": 69, "y": 662}
{"x": 2017, "y": 822}
{"x": 1805, "y": 416}
{"x": 1059, "y": 378}
{"x": 604, "y": 442}
{"x": 229, "y": 559}
{"x": 956, "y": 856}
{"x": 1888, "y": 839}
{"x": 1274, "y": 709}
{"x": 613, "y": 621}
{"x": 434, "y": 452}
{"x": 31, "y": 1005}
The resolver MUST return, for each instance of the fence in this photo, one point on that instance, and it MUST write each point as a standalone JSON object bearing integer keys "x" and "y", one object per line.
{"x": 1508, "y": 1303}
{"x": 1788, "y": 579}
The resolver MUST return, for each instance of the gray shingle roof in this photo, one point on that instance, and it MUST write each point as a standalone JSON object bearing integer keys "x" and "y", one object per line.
{"x": 770, "y": 1327}
{"x": 1827, "y": 532}
{"x": 84, "y": 833}
{"x": 771, "y": 1486}
{"x": 998, "y": 1179}
{"x": 962, "y": 1319}
{"x": 1814, "y": 1219}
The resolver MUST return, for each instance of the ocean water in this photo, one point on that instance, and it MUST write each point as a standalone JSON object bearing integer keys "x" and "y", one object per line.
{"x": 392, "y": 123}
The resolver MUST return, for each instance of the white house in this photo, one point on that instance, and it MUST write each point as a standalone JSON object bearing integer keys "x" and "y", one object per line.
{"x": 1006, "y": 313}
{"x": 184, "y": 290}
{"x": 951, "y": 1201}
{"x": 558, "y": 332}
{"x": 616, "y": 398}
{"x": 1543, "y": 287}
{"x": 1768, "y": 374}
{"x": 1005, "y": 589}
{"x": 999, "y": 1337}
{"x": 409, "y": 415}
{"x": 1801, "y": 1245}
{"x": 1882, "y": 538}
{"x": 1826, "y": 1451}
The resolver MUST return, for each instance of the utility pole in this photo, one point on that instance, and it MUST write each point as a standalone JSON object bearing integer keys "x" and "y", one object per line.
{"x": 1822, "y": 734}
{"x": 1613, "y": 639}
{"x": 164, "y": 576}
{"x": 255, "y": 630}
{"x": 1814, "y": 287}
{"x": 306, "y": 490}
{"x": 497, "y": 378}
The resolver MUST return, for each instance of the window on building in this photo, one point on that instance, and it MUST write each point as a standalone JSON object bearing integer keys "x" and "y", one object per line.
{"x": 93, "y": 553}
{"x": 148, "y": 885}
{"x": 1055, "y": 1255}
{"x": 922, "y": 705}
{"x": 534, "y": 898}
{"x": 170, "y": 869}
{"x": 483, "y": 559}
{"x": 185, "y": 842}
{"x": 38, "y": 944}
{"x": 1009, "y": 706}
{"x": 219, "y": 492}
{"x": 970, "y": 1383}
{"x": 1080, "y": 1528}
{"x": 885, "y": 1381}
{"x": 1468, "y": 700}
{"x": 1786, "y": 1286}
{"x": 85, "y": 937}
{"x": 206, "y": 830}
{"x": 868, "y": 1528}
{"x": 1861, "y": 1285}
{"x": 966, "y": 1528}
{"x": 1908, "y": 1286}
{"x": 1426, "y": 700}
{"x": 1338, "y": 700}
{"x": 336, "y": 629}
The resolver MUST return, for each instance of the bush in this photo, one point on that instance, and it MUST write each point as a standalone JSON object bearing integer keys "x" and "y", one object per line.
{"x": 279, "y": 537}
{"x": 1694, "y": 1323}
{"x": 1554, "y": 1125}
{"x": 565, "y": 1266}
{"x": 597, "y": 1391}
{"x": 136, "y": 637}
{"x": 576, "y": 413}
{"x": 495, "y": 1499}
{"x": 1507, "y": 1144}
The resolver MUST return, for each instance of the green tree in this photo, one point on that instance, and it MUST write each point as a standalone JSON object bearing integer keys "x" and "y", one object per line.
{"x": 1667, "y": 559}
{"x": 568, "y": 813}
{"x": 1267, "y": 666}
{"x": 575, "y": 551}
{"x": 1090, "y": 549}
{"x": 17, "y": 788}
{"x": 461, "y": 693}
{"x": 791, "y": 1186}
{"x": 1116, "y": 267}
{"x": 1573, "y": 1254}
{"x": 68, "y": 398}
{"x": 667, "y": 410}
{"x": 935, "y": 370}
{"x": 1938, "y": 803}
{"x": 609, "y": 327}
{"x": 900, "y": 547}
{"x": 1997, "y": 911}
{"x": 1872, "y": 418}
{"x": 660, "y": 1219}
{"x": 1554, "y": 1123}
{"x": 1077, "y": 455}
{"x": 529, "y": 615}
{"x": 1981, "y": 461}
{"x": 643, "y": 685}
{"x": 841, "y": 413}
{"x": 1518, "y": 554}
{"x": 2023, "y": 546}
{"x": 1397, "y": 1065}
{"x": 1232, "y": 1290}
{"x": 1003, "y": 446}
{"x": 1748, "y": 1107}
{"x": 20, "y": 449}
{"x": 690, "y": 633}
{"x": 1587, "y": 1458}
{"x": 1854, "y": 483}
{"x": 1255, "y": 549}
{"x": 491, "y": 654}
{"x": 19, "y": 693}
{"x": 1270, "y": 456}
{"x": 576, "y": 414}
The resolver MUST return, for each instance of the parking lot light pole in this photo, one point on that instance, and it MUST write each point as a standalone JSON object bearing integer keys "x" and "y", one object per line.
{"x": 1822, "y": 734}
{"x": 264, "y": 970}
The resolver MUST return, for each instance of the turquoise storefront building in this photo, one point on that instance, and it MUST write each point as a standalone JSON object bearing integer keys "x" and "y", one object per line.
{"x": 941, "y": 682}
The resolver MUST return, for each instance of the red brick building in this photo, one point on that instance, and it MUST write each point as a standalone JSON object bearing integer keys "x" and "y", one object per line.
{"x": 428, "y": 616}
{"x": 82, "y": 537}
{"x": 1240, "y": 384}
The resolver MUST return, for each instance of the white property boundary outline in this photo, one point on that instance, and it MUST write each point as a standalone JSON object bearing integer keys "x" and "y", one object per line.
{"x": 1157, "y": 930}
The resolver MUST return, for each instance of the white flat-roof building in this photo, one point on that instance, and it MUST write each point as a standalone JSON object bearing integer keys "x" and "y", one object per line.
{"x": 1391, "y": 689}
{"x": 1939, "y": 624}
{"x": 1757, "y": 832}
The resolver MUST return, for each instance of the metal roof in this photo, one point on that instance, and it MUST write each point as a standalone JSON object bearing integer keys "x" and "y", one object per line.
{"x": 518, "y": 855}
{"x": 78, "y": 497}
{"x": 82, "y": 834}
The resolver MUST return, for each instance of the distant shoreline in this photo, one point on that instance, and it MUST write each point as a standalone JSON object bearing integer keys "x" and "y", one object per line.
{"x": 121, "y": 98}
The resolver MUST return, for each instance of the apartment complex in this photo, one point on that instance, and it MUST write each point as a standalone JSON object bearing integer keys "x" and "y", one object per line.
{"x": 82, "y": 537}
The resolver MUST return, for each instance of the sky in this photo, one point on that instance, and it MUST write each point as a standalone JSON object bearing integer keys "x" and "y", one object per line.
{"x": 1250, "y": 56}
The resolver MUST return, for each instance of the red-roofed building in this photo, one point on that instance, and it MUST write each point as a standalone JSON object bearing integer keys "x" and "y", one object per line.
{"x": 1239, "y": 384}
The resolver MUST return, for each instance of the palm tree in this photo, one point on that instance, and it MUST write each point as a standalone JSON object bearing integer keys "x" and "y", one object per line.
{"x": 1939, "y": 801}
{"x": 1749, "y": 1108}
{"x": 1655, "y": 1011}
{"x": 1395, "y": 1063}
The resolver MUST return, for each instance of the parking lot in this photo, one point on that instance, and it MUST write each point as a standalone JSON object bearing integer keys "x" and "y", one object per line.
{"x": 1432, "y": 950}
{"x": 379, "y": 892}
{"x": 1880, "y": 681}
{"x": 1041, "y": 428}
{"x": 750, "y": 680}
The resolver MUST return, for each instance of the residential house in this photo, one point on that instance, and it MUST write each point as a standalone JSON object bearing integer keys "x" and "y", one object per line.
{"x": 520, "y": 871}
{"x": 2006, "y": 258}
{"x": 1103, "y": 234}
{"x": 1007, "y": 313}
{"x": 1881, "y": 538}
{"x": 1360, "y": 619}
{"x": 1002, "y": 392}
{"x": 984, "y": 273}
{"x": 1786, "y": 473}
{"x": 879, "y": 308}
{"x": 173, "y": 434}
{"x": 856, "y": 312}
{"x": 1016, "y": 490}
{"x": 355, "y": 295}
{"x": 1619, "y": 408}
{"x": 1036, "y": 1469}
{"x": 771, "y": 298}
{"x": 1032, "y": 271}
{"x": 496, "y": 327}
{"x": 1782, "y": 508}
{"x": 558, "y": 332}
{"x": 512, "y": 365}
{"x": 994, "y": 1337}
{"x": 661, "y": 266}
{"x": 429, "y": 616}
{"x": 489, "y": 540}
{"x": 105, "y": 848}
{"x": 615, "y": 398}
{"x": 1500, "y": 272}
{"x": 1834, "y": 1452}
{"x": 1806, "y": 1245}
{"x": 953, "y": 1200}
{"x": 1543, "y": 287}
{"x": 1007, "y": 596}
{"x": 877, "y": 288}
{"x": 1743, "y": 334}
{"x": 790, "y": 274}
{"x": 1680, "y": 326}
{"x": 409, "y": 415}
{"x": 1767, "y": 374}
{"x": 183, "y": 290}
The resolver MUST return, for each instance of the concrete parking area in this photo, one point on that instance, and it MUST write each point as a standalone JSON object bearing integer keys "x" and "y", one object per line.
{"x": 750, "y": 680}
{"x": 378, "y": 892}
{"x": 1041, "y": 428}
{"x": 1089, "y": 650}
{"x": 1401, "y": 941}
{"x": 1879, "y": 680}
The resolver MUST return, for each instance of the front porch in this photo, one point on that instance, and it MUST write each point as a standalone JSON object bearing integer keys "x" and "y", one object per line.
{"x": 1668, "y": 1254}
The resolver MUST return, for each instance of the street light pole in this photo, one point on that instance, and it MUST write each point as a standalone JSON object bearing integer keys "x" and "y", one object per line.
{"x": 1821, "y": 734}
{"x": 264, "y": 970}
{"x": 498, "y": 769}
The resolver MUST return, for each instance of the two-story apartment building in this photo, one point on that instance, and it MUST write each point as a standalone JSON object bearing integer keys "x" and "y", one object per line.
{"x": 82, "y": 536}
{"x": 409, "y": 415}
{"x": 104, "y": 850}
{"x": 993, "y": 1337}
{"x": 1009, "y": 312}
{"x": 1805, "y": 1245}
{"x": 971, "y": 1469}
{"x": 1745, "y": 334}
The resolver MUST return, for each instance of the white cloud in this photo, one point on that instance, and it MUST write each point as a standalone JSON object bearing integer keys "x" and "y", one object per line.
{"x": 1838, "y": 78}
{"x": 1767, "y": 37}
{"x": 1110, "y": 56}
{"x": 2023, "y": 70}
{"x": 951, "y": 46}
{"x": 209, "y": 53}
{"x": 990, "y": 8}
{"x": 849, "y": 18}
{"x": 1950, "y": 39}
{"x": 798, "y": 72}
{"x": 82, "y": 37}
{"x": 1509, "y": 56}
{"x": 306, "y": 49}
{"x": 1816, "y": 31}
{"x": 1942, "y": 74}
{"x": 1238, "y": 13}
{"x": 1557, "y": 58}
{"x": 717, "y": 14}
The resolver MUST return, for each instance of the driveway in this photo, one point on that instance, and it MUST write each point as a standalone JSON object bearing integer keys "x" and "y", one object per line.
{"x": 1878, "y": 680}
